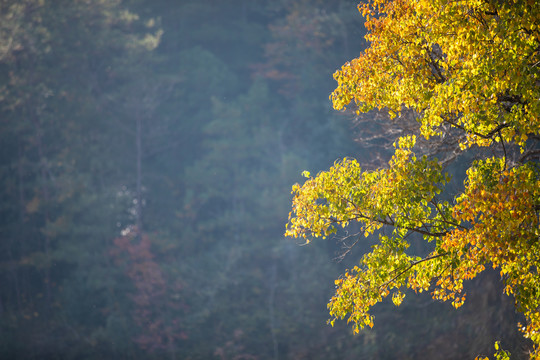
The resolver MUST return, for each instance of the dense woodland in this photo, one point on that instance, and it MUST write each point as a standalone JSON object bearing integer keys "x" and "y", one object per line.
{"x": 148, "y": 152}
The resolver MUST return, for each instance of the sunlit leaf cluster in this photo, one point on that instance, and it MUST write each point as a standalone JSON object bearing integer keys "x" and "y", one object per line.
{"x": 345, "y": 193}
{"x": 473, "y": 64}
{"x": 469, "y": 66}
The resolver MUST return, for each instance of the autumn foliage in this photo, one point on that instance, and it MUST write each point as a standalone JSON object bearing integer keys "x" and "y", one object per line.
{"x": 469, "y": 72}
{"x": 151, "y": 295}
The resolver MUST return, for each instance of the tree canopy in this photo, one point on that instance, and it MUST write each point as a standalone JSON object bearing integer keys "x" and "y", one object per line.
{"x": 468, "y": 72}
{"x": 143, "y": 148}
{"x": 146, "y": 152}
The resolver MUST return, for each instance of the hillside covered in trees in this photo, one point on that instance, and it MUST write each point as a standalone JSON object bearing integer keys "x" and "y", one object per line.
{"x": 148, "y": 149}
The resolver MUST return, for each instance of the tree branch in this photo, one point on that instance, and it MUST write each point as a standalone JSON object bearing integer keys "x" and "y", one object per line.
{"x": 411, "y": 265}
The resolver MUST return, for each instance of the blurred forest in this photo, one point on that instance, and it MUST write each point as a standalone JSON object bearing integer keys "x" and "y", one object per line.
{"x": 148, "y": 149}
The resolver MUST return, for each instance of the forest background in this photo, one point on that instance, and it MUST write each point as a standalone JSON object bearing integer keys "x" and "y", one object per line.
{"x": 148, "y": 149}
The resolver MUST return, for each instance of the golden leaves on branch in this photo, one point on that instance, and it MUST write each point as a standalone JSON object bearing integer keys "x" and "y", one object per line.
{"x": 470, "y": 67}
{"x": 471, "y": 64}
